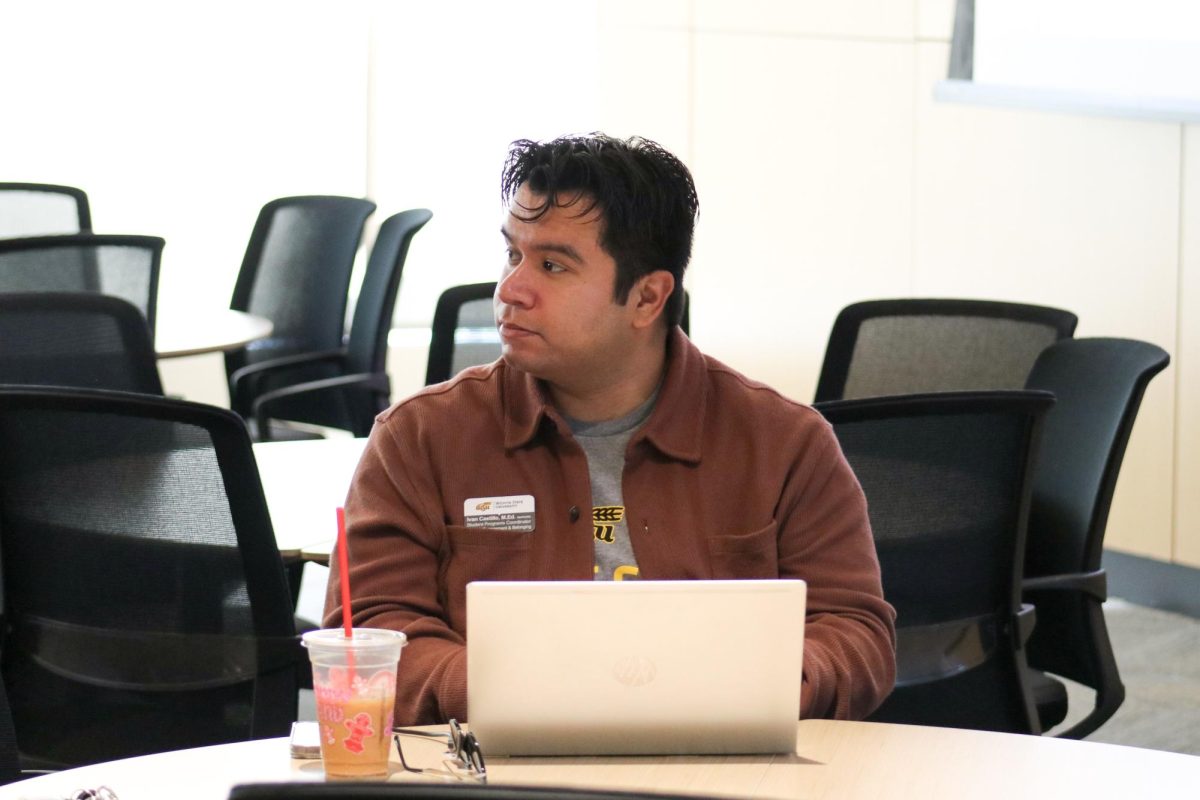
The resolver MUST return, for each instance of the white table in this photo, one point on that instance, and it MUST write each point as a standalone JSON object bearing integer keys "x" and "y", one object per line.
{"x": 189, "y": 333}
{"x": 844, "y": 760}
{"x": 304, "y": 483}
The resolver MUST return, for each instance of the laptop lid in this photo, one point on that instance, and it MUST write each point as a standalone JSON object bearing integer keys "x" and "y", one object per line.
{"x": 634, "y": 667}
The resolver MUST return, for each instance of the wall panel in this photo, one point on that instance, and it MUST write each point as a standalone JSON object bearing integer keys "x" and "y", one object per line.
{"x": 935, "y": 19}
{"x": 1187, "y": 361}
{"x": 643, "y": 88}
{"x": 802, "y": 158}
{"x": 847, "y": 19}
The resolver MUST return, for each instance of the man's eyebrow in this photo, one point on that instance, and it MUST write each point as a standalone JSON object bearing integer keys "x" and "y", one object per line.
{"x": 565, "y": 249}
{"x": 553, "y": 247}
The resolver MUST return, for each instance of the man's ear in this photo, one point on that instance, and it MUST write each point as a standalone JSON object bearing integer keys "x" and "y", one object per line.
{"x": 650, "y": 295}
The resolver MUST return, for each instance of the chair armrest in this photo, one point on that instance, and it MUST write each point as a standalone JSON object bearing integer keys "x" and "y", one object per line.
{"x": 1094, "y": 584}
{"x": 244, "y": 383}
{"x": 373, "y": 381}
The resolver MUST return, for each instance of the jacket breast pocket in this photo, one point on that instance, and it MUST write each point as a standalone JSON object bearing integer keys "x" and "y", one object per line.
{"x": 481, "y": 554}
{"x": 745, "y": 555}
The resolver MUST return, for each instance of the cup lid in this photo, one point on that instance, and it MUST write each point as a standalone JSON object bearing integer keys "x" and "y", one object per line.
{"x": 362, "y": 638}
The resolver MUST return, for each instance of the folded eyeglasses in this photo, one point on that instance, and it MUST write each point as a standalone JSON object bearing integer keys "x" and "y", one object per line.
{"x": 99, "y": 793}
{"x": 463, "y": 757}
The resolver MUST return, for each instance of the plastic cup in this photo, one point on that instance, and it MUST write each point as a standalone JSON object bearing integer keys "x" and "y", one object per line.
{"x": 354, "y": 681}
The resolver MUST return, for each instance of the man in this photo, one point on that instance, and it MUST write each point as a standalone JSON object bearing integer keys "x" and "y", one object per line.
{"x": 621, "y": 450}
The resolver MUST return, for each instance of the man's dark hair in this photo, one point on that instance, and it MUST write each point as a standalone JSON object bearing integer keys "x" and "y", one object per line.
{"x": 645, "y": 195}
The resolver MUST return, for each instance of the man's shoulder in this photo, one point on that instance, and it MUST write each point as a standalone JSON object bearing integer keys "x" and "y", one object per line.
{"x": 735, "y": 392}
{"x": 469, "y": 391}
{"x": 742, "y": 414}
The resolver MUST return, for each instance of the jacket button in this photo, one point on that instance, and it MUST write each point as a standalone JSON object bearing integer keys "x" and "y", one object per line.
{"x": 573, "y": 513}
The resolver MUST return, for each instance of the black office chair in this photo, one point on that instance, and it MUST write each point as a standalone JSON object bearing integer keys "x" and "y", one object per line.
{"x": 345, "y": 387}
{"x": 947, "y": 481}
{"x": 121, "y": 266}
{"x": 144, "y": 598}
{"x": 42, "y": 209}
{"x": 890, "y": 347}
{"x": 74, "y": 339}
{"x": 296, "y": 273}
{"x": 1099, "y": 384}
{"x": 433, "y": 791}
{"x": 464, "y": 330}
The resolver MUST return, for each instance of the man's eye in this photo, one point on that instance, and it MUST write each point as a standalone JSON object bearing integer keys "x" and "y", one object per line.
{"x": 513, "y": 256}
{"x": 550, "y": 266}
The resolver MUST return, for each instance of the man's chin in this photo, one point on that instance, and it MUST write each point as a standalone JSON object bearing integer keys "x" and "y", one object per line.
{"x": 516, "y": 359}
{"x": 524, "y": 362}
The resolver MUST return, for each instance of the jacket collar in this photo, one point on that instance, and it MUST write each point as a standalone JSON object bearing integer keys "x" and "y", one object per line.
{"x": 524, "y": 403}
{"x": 674, "y": 427}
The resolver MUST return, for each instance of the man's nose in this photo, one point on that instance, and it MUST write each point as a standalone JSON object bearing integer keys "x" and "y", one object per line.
{"x": 514, "y": 289}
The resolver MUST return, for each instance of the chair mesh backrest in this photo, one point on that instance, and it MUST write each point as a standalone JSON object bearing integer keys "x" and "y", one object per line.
{"x": 42, "y": 209}
{"x": 121, "y": 266}
{"x": 68, "y": 339}
{"x": 142, "y": 584}
{"x": 367, "y": 347}
{"x": 464, "y": 331}
{"x": 892, "y": 347}
{"x": 1099, "y": 384}
{"x": 296, "y": 273}
{"x": 946, "y": 479}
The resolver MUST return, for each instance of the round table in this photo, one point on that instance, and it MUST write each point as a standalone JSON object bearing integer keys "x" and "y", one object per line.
{"x": 844, "y": 760}
{"x": 195, "y": 332}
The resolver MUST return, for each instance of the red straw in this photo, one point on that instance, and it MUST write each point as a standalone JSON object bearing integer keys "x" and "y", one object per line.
{"x": 344, "y": 570}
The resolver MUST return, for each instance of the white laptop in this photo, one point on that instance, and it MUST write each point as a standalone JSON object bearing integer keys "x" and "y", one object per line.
{"x": 635, "y": 667}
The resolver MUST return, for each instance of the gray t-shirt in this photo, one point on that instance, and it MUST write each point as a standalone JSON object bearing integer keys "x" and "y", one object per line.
{"x": 604, "y": 444}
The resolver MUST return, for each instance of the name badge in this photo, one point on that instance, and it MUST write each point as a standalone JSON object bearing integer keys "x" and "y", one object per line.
{"x": 513, "y": 513}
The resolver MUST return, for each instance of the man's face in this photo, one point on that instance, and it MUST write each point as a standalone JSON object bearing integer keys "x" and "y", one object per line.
{"x": 554, "y": 303}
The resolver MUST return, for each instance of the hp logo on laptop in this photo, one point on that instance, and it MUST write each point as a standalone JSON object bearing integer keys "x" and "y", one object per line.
{"x": 634, "y": 670}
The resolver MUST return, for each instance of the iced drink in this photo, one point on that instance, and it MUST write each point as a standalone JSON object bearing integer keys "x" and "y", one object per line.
{"x": 354, "y": 681}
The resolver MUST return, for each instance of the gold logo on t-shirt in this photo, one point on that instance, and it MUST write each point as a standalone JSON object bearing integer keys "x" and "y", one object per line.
{"x": 604, "y": 519}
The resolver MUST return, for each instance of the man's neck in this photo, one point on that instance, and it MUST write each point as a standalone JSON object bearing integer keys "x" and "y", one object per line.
{"x": 614, "y": 399}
